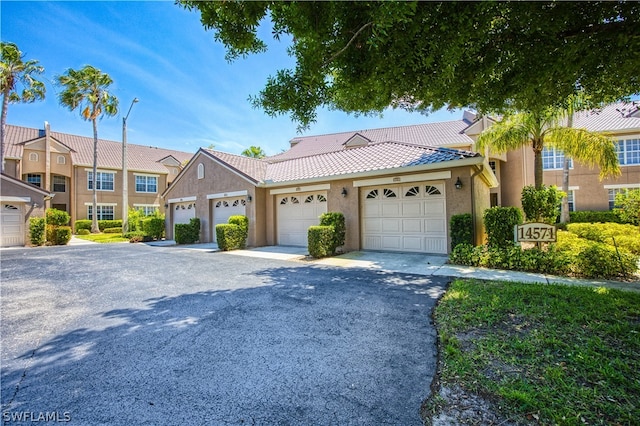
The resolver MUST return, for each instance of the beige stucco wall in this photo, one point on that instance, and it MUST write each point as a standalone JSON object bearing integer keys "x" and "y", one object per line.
{"x": 12, "y": 189}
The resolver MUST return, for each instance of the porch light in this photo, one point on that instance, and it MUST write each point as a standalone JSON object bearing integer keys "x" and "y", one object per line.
{"x": 458, "y": 183}
{"x": 249, "y": 198}
{"x": 344, "y": 192}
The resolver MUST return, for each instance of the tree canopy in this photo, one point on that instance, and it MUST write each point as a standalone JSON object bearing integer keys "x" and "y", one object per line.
{"x": 254, "y": 152}
{"x": 362, "y": 57}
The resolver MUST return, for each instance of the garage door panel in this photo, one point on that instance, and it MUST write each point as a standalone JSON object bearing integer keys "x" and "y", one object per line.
{"x": 296, "y": 213}
{"x": 411, "y": 218}
{"x": 223, "y": 209}
{"x": 12, "y": 231}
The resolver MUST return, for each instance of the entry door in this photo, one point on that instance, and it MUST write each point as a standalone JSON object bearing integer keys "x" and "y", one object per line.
{"x": 296, "y": 213}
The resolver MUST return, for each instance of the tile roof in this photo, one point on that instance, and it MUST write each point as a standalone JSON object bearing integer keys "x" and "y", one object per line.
{"x": 446, "y": 133}
{"x": 615, "y": 117}
{"x": 253, "y": 168}
{"x": 139, "y": 157}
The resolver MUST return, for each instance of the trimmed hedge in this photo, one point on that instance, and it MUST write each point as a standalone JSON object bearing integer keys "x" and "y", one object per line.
{"x": 233, "y": 235}
{"x": 336, "y": 220}
{"x": 499, "y": 223}
{"x": 461, "y": 229}
{"x": 541, "y": 204}
{"x": 57, "y": 217}
{"x": 37, "y": 230}
{"x": 102, "y": 224}
{"x": 626, "y": 236}
{"x": 589, "y": 216}
{"x": 188, "y": 233}
{"x": 321, "y": 240}
{"x": 113, "y": 231}
{"x": 153, "y": 226}
{"x": 83, "y": 232}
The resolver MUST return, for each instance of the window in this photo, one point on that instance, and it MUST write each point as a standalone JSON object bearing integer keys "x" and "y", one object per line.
{"x": 33, "y": 156}
{"x": 104, "y": 212}
{"x": 413, "y": 192}
{"x": 200, "y": 171}
{"x": 35, "y": 179}
{"x": 372, "y": 194}
{"x": 571, "y": 199}
{"x": 147, "y": 209}
{"x": 432, "y": 190}
{"x": 628, "y": 151}
{"x": 612, "y": 195}
{"x": 388, "y": 193}
{"x": 553, "y": 159}
{"x": 59, "y": 184}
{"x": 104, "y": 181}
{"x": 61, "y": 159}
{"x": 146, "y": 184}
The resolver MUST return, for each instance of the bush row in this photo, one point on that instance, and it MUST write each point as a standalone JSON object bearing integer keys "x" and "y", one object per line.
{"x": 571, "y": 256}
{"x": 102, "y": 224}
{"x": 626, "y": 236}
{"x": 51, "y": 229}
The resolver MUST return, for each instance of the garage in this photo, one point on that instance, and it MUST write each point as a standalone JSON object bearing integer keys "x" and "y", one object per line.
{"x": 12, "y": 225}
{"x": 296, "y": 213}
{"x": 224, "y": 208}
{"x": 408, "y": 218}
{"x": 183, "y": 212}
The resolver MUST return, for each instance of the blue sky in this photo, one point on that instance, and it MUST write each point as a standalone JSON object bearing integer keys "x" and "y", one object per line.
{"x": 190, "y": 96}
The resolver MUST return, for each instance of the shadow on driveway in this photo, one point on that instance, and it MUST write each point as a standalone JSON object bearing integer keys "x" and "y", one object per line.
{"x": 309, "y": 345}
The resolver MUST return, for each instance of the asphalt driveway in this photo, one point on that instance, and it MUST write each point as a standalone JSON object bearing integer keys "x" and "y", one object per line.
{"x": 131, "y": 334}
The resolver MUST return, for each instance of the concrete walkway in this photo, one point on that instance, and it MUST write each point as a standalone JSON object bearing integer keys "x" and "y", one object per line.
{"x": 410, "y": 263}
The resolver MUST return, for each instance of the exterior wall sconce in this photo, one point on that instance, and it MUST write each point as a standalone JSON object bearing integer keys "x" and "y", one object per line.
{"x": 249, "y": 198}
{"x": 458, "y": 183}
{"x": 166, "y": 205}
{"x": 35, "y": 205}
{"x": 344, "y": 192}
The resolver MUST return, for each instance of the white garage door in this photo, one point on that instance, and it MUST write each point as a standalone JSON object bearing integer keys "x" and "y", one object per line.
{"x": 408, "y": 218}
{"x": 296, "y": 213}
{"x": 224, "y": 208}
{"x": 12, "y": 225}
{"x": 183, "y": 212}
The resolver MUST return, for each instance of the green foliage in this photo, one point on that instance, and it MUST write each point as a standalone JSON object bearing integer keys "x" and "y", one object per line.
{"x": 83, "y": 232}
{"x": 229, "y": 236}
{"x": 589, "y": 216}
{"x": 466, "y": 254}
{"x": 362, "y": 57}
{"x": 243, "y": 223}
{"x": 461, "y": 229}
{"x": 336, "y": 220}
{"x": 62, "y": 235}
{"x": 153, "y": 226}
{"x": 626, "y": 236}
{"x": 628, "y": 206}
{"x": 600, "y": 260}
{"x": 499, "y": 223}
{"x": 541, "y": 204}
{"x": 37, "y": 230}
{"x": 188, "y": 233}
{"x": 104, "y": 224}
{"x": 134, "y": 217}
{"x": 137, "y": 237}
{"x": 321, "y": 241}
{"x": 57, "y": 217}
{"x": 112, "y": 231}
{"x": 82, "y": 224}
{"x": 253, "y": 152}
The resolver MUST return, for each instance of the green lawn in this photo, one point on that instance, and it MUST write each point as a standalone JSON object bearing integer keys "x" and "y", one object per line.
{"x": 562, "y": 355}
{"x": 104, "y": 238}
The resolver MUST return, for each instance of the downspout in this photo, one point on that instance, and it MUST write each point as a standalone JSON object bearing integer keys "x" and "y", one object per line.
{"x": 47, "y": 162}
{"x": 473, "y": 200}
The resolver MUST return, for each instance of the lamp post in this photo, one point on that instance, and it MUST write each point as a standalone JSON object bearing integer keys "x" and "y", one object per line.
{"x": 125, "y": 178}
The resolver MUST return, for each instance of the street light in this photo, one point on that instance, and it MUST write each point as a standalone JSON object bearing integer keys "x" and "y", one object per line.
{"x": 125, "y": 179}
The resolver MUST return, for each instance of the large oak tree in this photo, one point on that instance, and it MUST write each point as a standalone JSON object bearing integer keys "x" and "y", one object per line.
{"x": 362, "y": 57}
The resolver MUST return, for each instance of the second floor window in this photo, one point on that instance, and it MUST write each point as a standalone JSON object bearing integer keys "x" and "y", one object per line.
{"x": 104, "y": 181}
{"x": 34, "y": 179}
{"x": 553, "y": 159}
{"x": 59, "y": 184}
{"x": 146, "y": 184}
{"x": 628, "y": 151}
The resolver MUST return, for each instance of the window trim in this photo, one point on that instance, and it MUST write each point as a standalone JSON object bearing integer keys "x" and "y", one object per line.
{"x": 99, "y": 181}
{"x": 621, "y": 150}
{"x": 100, "y": 206}
{"x": 146, "y": 184}
{"x": 53, "y": 183}
{"x": 557, "y": 156}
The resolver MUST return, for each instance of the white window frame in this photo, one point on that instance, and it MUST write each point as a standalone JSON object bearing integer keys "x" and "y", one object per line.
{"x": 54, "y": 183}
{"x": 33, "y": 176}
{"x": 625, "y": 153}
{"x": 147, "y": 209}
{"x": 101, "y": 211}
{"x": 100, "y": 182}
{"x": 556, "y": 156}
{"x": 200, "y": 171}
{"x": 146, "y": 183}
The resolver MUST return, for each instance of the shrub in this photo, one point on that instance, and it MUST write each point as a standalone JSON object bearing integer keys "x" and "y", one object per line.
{"x": 83, "y": 232}
{"x": 628, "y": 206}
{"x": 600, "y": 260}
{"x": 188, "y": 233}
{"x": 113, "y": 231}
{"x": 82, "y": 224}
{"x": 625, "y": 235}
{"x": 461, "y": 229}
{"x": 243, "y": 223}
{"x": 136, "y": 236}
{"x": 595, "y": 216}
{"x": 541, "y": 204}
{"x": 57, "y": 217}
{"x": 37, "y": 230}
{"x": 321, "y": 240}
{"x": 63, "y": 235}
{"x": 335, "y": 219}
{"x": 134, "y": 217}
{"x": 153, "y": 226}
{"x": 229, "y": 236}
{"x": 104, "y": 224}
{"x": 468, "y": 255}
{"x": 499, "y": 223}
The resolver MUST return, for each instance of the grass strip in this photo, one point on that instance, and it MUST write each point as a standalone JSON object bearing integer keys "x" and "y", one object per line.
{"x": 550, "y": 353}
{"x": 104, "y": 238}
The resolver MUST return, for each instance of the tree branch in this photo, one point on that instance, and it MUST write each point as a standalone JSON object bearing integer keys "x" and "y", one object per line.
{"x": 338, "y": 53}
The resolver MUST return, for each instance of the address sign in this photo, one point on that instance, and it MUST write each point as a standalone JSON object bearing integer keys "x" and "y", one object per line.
{"x": 535, "y": 232}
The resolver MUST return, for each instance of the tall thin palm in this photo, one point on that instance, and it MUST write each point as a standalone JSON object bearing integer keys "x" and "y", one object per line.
{"x": 544, "y": 128}
{"x": 87, "y": 89}
{"x": 15, "y": 71}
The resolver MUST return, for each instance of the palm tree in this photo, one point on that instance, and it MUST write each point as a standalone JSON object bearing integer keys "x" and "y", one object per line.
{"x": 15, "y": 70}
{"x": 544, "y": 128}
{"x": 87, "y": 89}
{"x": 254, "y": 152}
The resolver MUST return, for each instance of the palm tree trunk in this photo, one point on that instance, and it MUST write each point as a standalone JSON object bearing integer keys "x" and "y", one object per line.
{"x": 537, "y": 165}
{"x": 564, "y": 208}
{"x": 94, "y": 216}
{"x": 3, "y": 125}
